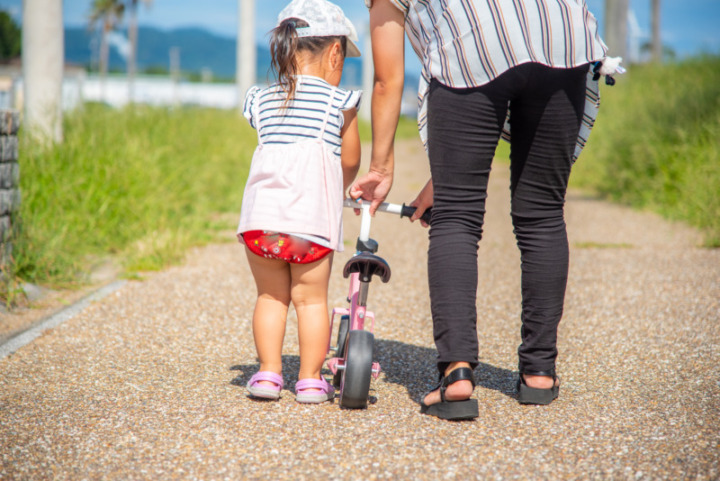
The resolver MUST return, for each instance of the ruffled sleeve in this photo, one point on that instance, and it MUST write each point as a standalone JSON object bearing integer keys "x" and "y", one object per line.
{"x": 352, "y": 100}
{"x": 250, "y": 105}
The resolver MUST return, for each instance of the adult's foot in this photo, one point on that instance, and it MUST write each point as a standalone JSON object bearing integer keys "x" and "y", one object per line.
{"x": 540, "y": 382}
{"x": 457, "y": 391}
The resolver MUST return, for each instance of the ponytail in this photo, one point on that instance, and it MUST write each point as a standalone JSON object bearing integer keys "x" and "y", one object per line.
{"x": 283, "y": 50}
{"x": 285, "y": 46}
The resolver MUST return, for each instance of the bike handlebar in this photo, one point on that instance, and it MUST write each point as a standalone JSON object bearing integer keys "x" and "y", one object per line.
{"x": 401, "y": 209}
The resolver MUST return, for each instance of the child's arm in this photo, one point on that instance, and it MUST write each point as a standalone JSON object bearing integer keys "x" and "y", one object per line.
{"x": 350, "y": 154}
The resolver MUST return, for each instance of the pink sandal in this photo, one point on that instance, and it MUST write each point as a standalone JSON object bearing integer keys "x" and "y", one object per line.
{"x": 326, "y": 391}
{"x": 263, "y": 391}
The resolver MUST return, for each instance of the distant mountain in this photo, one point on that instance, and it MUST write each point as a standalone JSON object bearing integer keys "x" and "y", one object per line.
{"x": 199, "y": 49}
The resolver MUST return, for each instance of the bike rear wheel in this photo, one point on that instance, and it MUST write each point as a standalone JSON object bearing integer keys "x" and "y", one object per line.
{"x": 341, "y": 345}
{"x": 355, "y": 384}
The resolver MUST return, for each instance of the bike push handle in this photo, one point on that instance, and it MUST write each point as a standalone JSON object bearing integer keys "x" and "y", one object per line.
{"x": 401, "y": 209}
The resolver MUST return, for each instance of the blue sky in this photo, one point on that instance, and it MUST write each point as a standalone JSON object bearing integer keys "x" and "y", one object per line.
{"x": 688, "y": 26}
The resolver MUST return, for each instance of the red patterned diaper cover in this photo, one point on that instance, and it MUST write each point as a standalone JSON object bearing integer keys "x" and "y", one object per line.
{"x": 286, "y": 247}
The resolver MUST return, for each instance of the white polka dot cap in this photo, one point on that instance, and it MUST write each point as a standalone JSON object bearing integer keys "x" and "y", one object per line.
{"x": 325, "y": 19}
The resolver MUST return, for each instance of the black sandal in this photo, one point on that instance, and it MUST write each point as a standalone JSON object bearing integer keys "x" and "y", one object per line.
{"x": 533, "y": 395}
{"x": 452, "y": 410}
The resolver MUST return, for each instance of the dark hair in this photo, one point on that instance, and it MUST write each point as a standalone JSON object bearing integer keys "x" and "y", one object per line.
{"x": 285, "y": 45}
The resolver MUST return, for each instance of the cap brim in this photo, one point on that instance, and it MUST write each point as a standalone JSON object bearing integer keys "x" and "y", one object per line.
{"x": 352, "y": 50}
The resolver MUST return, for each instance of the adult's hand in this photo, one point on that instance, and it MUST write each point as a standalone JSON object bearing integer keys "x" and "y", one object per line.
{"x": 373, "y": 186}
{"x": 422, "y": 202}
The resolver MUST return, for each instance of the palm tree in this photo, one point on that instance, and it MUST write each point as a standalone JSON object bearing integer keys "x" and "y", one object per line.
{"x": 133, "y": 38}
{"x": 43, "y": 42}
{"x": 108, "y": 13}
{"x": 616, "y": 27}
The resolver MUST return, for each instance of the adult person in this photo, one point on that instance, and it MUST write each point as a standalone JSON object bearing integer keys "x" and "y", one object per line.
{"x": 483, "y": 59}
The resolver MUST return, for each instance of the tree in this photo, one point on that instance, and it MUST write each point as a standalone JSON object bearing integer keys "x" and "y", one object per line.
{"x": 616, "y": 27}
{"x": 246, "y": 52}
{"x": 132, "y": 6}
{"x": 107, "y": 13}
{"x": 43, "y": 41}
{"x": 10, "y": 37}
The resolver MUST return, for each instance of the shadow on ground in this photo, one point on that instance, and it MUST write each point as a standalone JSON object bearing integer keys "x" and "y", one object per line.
{"x": 412, "y": 367}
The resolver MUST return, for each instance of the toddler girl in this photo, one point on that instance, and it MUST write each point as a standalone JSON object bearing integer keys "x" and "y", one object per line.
{"x": 291, "y": 220}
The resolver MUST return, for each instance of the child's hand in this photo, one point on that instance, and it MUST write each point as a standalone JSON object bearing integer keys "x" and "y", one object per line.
{"x": 422, "y": 202}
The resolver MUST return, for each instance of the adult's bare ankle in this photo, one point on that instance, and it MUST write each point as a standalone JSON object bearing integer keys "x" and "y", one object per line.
{"x": 539, "y": 382}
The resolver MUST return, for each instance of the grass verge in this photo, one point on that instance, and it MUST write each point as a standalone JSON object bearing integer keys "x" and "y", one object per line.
{"x": 141, "y": 184}
{"x": 655, "y": 144}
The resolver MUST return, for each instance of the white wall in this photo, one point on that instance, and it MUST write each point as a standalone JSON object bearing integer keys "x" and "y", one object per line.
{"x": 157, "y": 90}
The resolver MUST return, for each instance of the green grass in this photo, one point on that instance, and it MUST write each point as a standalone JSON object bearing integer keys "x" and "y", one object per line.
{"x": 655, "y": 145}
{"x": 406, "y": 129}
{"x": 140, "y": 184}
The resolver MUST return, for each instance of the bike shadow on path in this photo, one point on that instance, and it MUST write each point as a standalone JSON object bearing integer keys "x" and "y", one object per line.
{"x": 410, "y": 366}
{"x": 414, "y": 367}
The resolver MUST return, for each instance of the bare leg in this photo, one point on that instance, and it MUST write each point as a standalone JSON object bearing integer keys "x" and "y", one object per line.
{"x": 272, "y": 278}
{"x": 309, "y": 296}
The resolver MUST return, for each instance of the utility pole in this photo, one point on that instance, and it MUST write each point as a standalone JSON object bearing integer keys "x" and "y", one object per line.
{"x": 246, "y": 50}
{"x": 42, "y": 66}
{"x": 656, "y": 41}
{"x": 616, "y": 27}
{"x": 132, "y": 53}
{"x": 175, "y": 74}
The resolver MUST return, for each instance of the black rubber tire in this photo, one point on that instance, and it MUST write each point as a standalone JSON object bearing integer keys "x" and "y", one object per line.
{"x": 343, "y": 330}
{"x": 355, "y": 385}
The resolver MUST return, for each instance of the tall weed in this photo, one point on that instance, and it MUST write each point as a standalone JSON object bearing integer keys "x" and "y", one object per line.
{"x": 142, "y": 184}
{"x": 655, "y": 144}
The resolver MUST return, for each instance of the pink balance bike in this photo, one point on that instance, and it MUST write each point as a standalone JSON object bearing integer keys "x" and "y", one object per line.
{"x": 353, "y": 365}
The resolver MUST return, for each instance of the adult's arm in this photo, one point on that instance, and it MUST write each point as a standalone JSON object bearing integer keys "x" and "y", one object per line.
{"x": 387, "y": 32}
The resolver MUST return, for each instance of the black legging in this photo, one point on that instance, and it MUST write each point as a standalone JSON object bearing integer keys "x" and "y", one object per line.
{"x": 464, "y": 126}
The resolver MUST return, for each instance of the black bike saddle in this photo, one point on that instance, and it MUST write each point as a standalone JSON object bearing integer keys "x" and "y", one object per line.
{"x": 367, "y": 265}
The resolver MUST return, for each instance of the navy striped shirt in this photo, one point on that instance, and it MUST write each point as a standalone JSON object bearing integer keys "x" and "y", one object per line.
{"x": 301, "y": 118}
{"x": 468, "y": 43}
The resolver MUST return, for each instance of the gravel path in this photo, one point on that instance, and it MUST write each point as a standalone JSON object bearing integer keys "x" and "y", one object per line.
{"x": 148, "y": 383}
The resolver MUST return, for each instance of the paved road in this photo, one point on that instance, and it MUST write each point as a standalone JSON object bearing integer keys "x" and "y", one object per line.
{"x": 147, "y": 383}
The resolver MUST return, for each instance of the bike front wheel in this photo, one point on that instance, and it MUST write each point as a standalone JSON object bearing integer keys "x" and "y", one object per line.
{"x": 355, "y": 385}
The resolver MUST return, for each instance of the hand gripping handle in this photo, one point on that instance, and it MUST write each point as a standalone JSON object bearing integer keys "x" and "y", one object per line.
{"x": 408, "y": 211}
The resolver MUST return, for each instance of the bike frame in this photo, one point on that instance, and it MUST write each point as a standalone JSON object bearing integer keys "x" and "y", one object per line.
{"x": 358, "y": 292}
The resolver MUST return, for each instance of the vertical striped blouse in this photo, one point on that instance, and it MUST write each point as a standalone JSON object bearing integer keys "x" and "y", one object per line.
{"x": 468, "y": 43}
